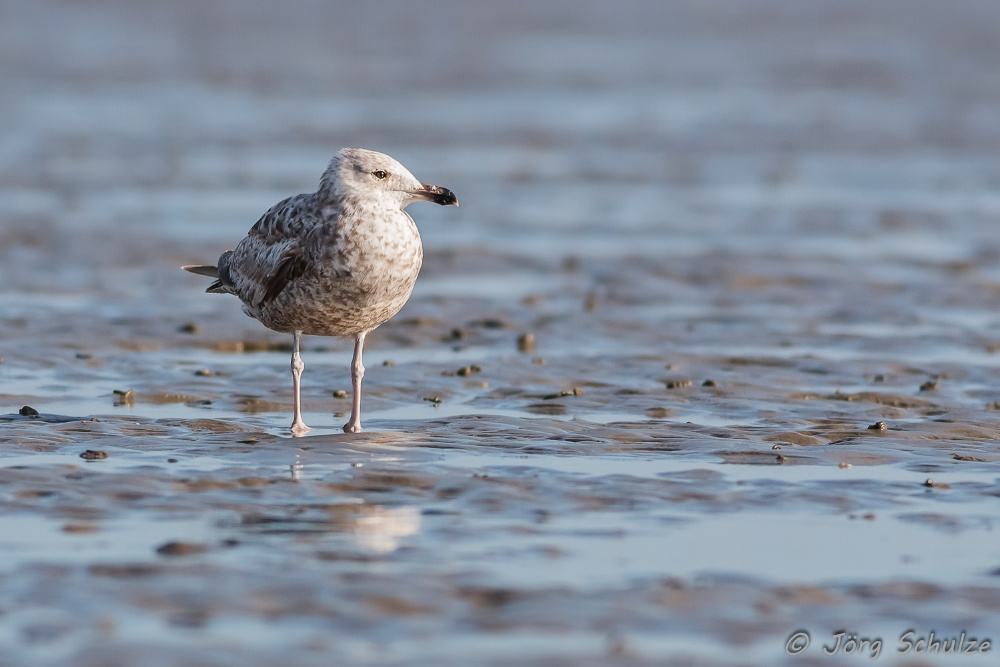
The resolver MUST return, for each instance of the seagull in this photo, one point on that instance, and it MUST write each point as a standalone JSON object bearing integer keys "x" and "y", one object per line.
{"x": 336, "y": 262}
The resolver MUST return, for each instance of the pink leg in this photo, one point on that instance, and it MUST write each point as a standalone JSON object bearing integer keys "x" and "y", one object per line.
{"x": 298, "y": 426}
{"x": 357, "y": 372}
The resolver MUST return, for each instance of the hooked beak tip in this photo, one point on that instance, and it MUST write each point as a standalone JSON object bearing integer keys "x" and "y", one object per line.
{"x": 436, "y": 194}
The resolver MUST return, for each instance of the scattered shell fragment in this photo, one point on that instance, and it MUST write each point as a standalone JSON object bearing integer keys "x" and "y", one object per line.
{"x": 124, "y": 397}
{"x": 878, "y": 426}
{"x": 526, "y": 343}
{"x": 339, "y": 393}
{"x": 575, "y": 391}
{"x": 678, "y": 384}
{"x": 94, "y": 455}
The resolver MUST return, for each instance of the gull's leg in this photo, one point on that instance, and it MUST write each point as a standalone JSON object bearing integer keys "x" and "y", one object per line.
{"x": 298, "y": 426}
{"x": 357, "y": 372}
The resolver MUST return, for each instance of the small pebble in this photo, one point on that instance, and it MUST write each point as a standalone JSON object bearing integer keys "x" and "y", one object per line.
{"x": 181, "y": 549}
{"x": 28, "y": 411}
{"x": 433, "y": 399}
{"x": 189, "y": 328}
{"x": 171, "y": 460}
{"x": 357, "y": 465}
{"x": 775, "y": 446}
{"x": 490, "y": 323}
{"x": 466, "y": 371}
{"x": 340, "y": 393}
{"x": 526, "y": 343}
{"x": 878, "y": 426}
{"x": 844, "y": 465}
{"x": 388, "y": 362}
{"x": 930, "y": 385}
{"x": 678, "y": 384}
{"x": 878, "y": 378}
{"x": 84, "y": 355}
{"x": 204, "y": 372}
{"x": 709, "y": 383}
{"x": 94, "y": 455}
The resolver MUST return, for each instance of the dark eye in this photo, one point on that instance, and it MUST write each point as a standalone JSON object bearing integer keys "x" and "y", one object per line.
{"x": 380, "y": 175}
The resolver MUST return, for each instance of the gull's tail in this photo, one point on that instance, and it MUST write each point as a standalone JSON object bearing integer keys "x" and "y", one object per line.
{"x": 222, "y": 282}
{"x": 202, "y": 270}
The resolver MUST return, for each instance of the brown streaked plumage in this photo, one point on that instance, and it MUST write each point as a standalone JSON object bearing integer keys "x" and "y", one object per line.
{"x": 336, "y": 262}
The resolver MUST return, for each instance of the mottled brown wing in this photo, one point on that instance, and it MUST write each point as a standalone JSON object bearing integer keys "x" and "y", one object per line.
{"x": 275, "y": 252}
{"x": 291, "y": 265}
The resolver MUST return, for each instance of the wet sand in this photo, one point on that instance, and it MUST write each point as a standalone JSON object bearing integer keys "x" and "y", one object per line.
{"x": 754, "y": 249}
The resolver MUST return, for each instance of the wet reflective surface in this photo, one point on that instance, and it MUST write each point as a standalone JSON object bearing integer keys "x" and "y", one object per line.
{"x": 741, "y": 239}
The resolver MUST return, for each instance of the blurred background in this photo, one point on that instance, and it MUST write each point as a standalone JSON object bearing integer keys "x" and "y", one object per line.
{"x": 138, "y": 135}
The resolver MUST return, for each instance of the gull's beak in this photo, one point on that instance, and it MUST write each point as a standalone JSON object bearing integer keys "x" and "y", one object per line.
{"x": 436, "y": 194}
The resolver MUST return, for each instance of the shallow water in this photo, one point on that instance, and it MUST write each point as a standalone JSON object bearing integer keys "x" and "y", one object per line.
{"x": 740, "y": 235}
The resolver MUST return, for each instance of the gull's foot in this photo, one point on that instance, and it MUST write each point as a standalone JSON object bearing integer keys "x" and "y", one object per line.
{"x": 299, "y": 429}
{"x": 352, "y": 427}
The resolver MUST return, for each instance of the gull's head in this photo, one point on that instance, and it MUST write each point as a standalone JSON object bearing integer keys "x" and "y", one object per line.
{"x": 360, "y": 175}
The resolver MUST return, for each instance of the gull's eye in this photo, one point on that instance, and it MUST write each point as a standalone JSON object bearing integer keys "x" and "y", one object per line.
{"x": 380, "y": 174}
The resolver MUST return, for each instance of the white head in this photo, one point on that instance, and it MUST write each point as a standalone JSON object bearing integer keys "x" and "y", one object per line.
{"x": 360, "y": 175}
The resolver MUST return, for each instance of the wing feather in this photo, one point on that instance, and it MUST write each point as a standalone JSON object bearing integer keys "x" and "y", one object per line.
{"x": 277, "y": 251}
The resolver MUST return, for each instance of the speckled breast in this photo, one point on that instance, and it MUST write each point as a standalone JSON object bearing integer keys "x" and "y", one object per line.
{"x": 349, "y": 291}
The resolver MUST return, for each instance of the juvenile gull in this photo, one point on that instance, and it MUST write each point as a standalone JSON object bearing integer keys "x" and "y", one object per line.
{"x": 336, "y": 262}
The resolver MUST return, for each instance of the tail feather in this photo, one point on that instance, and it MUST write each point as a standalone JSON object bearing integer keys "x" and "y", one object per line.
{"x": 203, "y": 270}
{"x": 223, "y": 283}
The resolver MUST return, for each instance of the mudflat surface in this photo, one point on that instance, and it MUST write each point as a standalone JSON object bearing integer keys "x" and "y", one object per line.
{"x": 756, "y": 248}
